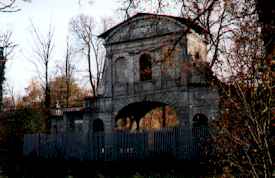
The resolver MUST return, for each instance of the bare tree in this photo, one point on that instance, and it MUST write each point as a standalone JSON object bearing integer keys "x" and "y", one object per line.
{"x": 10, "y": 97}
{"x": 7, "y": 43}
{"x": 43, "y": 49}
{"x": 83, "y": 27}
{"x": 68, "y": 70}
{"x": 130, "y": 7}
{"x": 10, "y": 5}
{"x": 7, "y": 46}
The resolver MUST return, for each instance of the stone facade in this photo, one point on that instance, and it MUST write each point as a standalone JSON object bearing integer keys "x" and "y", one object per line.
{"x": 171, "y": 48}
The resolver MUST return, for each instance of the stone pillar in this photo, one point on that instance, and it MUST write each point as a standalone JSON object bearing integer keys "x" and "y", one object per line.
{"x": 88, "y": 107}
{"x": 86, "y": 122}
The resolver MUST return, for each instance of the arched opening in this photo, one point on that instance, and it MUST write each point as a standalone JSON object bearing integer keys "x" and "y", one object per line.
{"x": 146, "y": 115}
{"x": 200, "y": 120}
{"x": 98, "y": 126}
{"x": 200, "y": 133}
{"x": 197, "y": 56}
{"x": 121, "y": 74}
{"x": 145, "y": 67}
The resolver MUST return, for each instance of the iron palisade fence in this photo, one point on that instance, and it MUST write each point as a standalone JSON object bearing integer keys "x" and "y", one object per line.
{"x": 176, "y": 143}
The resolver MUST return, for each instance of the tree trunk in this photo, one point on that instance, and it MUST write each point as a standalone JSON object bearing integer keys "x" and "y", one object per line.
{"x": 90, "y": 71}
{"x": 47, "y": 88}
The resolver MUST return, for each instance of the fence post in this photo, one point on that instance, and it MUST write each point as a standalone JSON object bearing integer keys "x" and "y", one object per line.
{"x": 38, "y": 151}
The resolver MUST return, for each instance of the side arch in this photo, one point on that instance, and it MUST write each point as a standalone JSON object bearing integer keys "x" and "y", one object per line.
{"x": 200, "y": 120}
{"x": 97, "y": 126}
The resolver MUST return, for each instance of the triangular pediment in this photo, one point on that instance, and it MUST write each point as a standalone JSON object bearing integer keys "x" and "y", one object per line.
{"x": 143, "y": 26}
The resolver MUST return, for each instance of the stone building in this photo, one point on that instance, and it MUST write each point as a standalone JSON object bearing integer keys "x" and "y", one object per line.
{"x": 152, "y": 66}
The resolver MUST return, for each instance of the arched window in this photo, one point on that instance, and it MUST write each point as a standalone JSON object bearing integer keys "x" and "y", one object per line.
{"x": 98, "y": 126}
{"x": 121, "y": 66}
{"x": 197, "y": 56}
{"x": 145, "y": 67}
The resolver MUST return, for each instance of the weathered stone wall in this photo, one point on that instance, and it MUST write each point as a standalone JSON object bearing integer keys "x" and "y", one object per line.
{"x": 196, "y": 44}
{"x": 144, "y": 27}
{"x": 73, "y": 121}
{"x": 174, "y": 79}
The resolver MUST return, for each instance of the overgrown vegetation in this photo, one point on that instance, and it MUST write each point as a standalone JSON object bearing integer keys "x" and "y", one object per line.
{"x": 237, "y": 55}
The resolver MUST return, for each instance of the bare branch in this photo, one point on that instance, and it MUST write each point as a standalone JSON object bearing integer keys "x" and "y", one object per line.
{"x": 43, "y": 49}
{"x": 83, "y": 27}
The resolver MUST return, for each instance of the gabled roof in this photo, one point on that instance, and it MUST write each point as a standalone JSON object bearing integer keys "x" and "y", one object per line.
{"x": 182, "y": 20}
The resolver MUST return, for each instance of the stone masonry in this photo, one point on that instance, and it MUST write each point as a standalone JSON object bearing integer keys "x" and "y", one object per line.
{"x": 174, "y": 46}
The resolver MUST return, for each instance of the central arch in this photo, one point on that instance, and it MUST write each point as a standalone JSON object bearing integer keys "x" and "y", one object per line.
{"x": 146, "y": 115}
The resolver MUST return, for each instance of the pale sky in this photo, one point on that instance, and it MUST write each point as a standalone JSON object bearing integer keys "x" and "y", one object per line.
{"x": 19, "y": 70}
